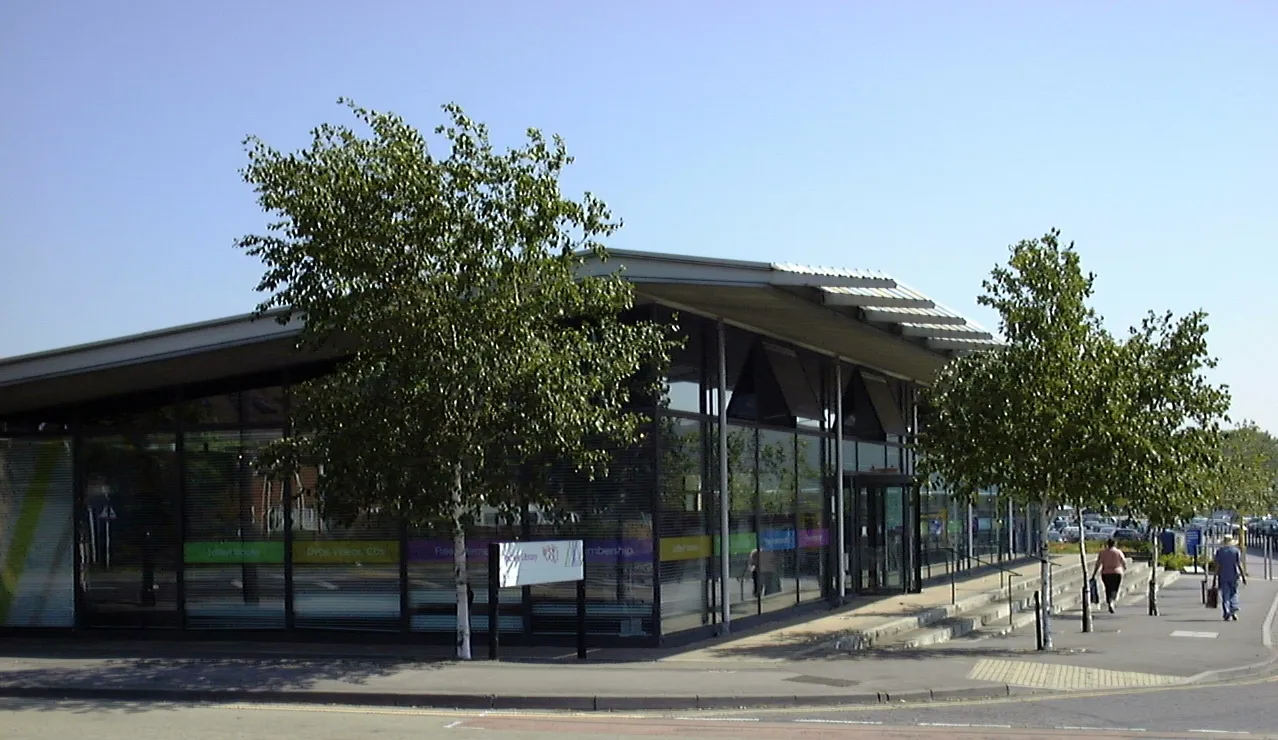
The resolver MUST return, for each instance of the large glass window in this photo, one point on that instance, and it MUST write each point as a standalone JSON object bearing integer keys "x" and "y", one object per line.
{"x": 743, "y": 531}
{"x": 612, "y": 514}
{"x": 234, "y": 542}
{"x": 871, "y": 457}
{"x": 37, "y": 500}
{"x": 345, "y": 564}
{"x": 432, "y": 589}
{"x": 682, "y": 388}
{"x": 130, "y": 512}
{"x": 774, "y": 558}
{"x": 219, "y": 410}
{"x": 985, "y": 526}
{"x": 814, "y": 534}
{"x": 685, "y": 557}
{"x": 939, "y": 538}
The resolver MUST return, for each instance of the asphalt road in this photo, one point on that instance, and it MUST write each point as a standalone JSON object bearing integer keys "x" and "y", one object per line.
{"x": 1249, "y": 706}
{"x": 53, "y": 720}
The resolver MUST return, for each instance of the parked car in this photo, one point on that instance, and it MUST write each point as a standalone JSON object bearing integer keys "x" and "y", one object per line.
{"x": 1126, "y": 534}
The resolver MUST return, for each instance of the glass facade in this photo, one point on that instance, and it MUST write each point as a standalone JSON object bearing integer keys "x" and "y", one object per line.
{"x": 149, "y": 513}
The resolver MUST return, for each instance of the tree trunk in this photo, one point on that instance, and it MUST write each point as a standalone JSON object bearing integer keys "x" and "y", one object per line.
{"x": 460, "y": 575}
{"x": 1045, "y": 575}
{"x": 1153, "y": 572}
{"x": 1082, "y": 559}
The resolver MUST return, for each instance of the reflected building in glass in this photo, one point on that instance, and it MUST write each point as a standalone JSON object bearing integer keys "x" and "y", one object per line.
{"x": 775, "y": 475}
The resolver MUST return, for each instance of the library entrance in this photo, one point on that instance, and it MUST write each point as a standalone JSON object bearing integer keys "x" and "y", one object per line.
{"x": 883, "y": 542}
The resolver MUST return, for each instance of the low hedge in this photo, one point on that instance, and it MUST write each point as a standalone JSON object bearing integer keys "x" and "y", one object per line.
{"x": 1175, "y": 561}
{"x": 1132, "y": 547}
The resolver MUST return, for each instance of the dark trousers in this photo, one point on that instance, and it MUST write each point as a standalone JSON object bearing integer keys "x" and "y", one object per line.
{"x": 1112, "y": 581}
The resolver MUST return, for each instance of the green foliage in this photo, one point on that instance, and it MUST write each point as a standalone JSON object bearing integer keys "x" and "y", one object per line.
{"x": 1175, "y": 561}
{"x": 1066, "y": 412}
{"x": 1024, "y": 419}
{"x": 475, "y": 351}
{"x": 1130, "y": 547}
{"x": 1247, "y": 480}
{"x": 1164, "y": 445}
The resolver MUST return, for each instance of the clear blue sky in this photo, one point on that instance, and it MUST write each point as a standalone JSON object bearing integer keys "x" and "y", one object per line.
{"x": 920, "y": 138}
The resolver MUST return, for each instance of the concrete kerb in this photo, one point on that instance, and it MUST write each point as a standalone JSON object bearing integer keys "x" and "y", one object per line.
{"x": 486, "y": 702}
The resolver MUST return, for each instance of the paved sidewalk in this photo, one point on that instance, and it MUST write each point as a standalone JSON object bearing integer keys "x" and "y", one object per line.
{"x": 1128, "y": 649}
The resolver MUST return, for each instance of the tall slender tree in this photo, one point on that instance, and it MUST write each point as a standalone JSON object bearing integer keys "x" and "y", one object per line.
{"x": 474, "y": 348}
{"x": 1164, "y": 436}
{"x": 1023, "y": 418}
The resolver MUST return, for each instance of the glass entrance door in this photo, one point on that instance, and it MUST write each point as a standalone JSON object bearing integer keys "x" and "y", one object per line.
{"x": 884, "y": 535}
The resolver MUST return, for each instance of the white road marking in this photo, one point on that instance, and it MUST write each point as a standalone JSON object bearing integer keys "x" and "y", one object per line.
{"x": 1268, "y": 626}
{"x": 327, "y": 585}
{"x": 1100, "y": 729}
{"x": 1187, "y": 633}
{"x": 1221, "y": 732}
{"x": 452, "y": 725}
{"x": 839, "y": 721}
{"x": 237, "y": 583}
{"x": 961, "y": 724}
{"x": 718, "y": 719}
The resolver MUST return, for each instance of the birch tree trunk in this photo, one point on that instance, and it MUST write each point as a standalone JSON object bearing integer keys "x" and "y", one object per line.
{"x": 1153, "y": 571}
{"x": 1082, "y": 560}
{"x": 460, "y": 575}
{"x": 1045, "y": 575}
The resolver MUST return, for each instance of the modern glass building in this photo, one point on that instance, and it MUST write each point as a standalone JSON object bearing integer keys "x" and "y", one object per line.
{"x": 775, "y": 474}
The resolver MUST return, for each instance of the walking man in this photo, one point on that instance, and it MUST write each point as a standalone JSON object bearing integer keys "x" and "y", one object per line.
{"x": 1111, "y": 562}
{"x": 1229, "y": 570}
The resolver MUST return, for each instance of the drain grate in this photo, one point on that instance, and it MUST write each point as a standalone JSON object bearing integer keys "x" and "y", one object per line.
{"x": 841, "y": 683}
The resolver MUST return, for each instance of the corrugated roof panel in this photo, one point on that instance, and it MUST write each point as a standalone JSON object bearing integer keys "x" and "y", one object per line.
{"x": 920, "y": 313}
{"x": 897, "y": 292}
{"x": 830, "y": 271}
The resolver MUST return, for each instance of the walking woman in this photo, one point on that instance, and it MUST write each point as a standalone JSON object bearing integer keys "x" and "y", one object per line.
{"x": 1111, "y": 562}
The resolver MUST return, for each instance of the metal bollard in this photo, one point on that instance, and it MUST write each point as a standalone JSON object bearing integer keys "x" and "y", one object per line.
{"x": 1038, "y": 620}
{"x": 1011, "y": 614}
{"x": 953, "y": 577}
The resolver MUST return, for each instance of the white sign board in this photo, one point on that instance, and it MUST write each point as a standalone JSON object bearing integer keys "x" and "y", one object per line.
{"x": 531, "y": 563}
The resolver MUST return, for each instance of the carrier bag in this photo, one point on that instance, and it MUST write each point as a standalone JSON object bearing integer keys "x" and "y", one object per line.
{"x": 1095, "y": 591}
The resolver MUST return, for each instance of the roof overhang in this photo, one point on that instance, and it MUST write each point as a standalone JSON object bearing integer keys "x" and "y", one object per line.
{"x": 195, "y": 353}
{"x": 864, "y": 316}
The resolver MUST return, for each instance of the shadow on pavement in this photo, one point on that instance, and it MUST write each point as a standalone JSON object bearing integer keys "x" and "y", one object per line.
{"x": 198, "y": 678}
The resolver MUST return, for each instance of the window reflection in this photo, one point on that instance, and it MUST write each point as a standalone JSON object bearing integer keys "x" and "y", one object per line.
{"x": 685, "y": 557}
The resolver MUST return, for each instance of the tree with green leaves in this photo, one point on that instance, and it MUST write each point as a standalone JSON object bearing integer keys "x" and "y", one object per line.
{"x": 475, "y": 350}
{"x": 1247, "y": 483}
{"x": 1164, "y": 439}
{"x": 1029, "y": 418}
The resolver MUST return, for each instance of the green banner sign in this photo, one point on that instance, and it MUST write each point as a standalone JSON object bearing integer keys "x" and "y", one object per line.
{"x": 213, "y": 553}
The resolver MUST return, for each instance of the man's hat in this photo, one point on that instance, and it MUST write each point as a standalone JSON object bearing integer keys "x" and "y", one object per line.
{"x": 1229, "y": 539}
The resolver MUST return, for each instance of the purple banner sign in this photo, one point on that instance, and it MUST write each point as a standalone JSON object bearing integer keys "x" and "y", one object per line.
{"x": 441, "y": 551}
{"x": 597, "y": 551}
{"x": 814, "y": 538}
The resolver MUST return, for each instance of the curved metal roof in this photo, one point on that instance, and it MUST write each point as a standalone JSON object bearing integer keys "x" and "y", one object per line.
{"x": 868, "y": 296}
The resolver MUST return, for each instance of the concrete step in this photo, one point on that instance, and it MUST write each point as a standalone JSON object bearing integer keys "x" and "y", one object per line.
{"x": 1135, "y": 582}
{"x": 1022, "y": 589}
{"x": 998, "y": 612}
{"x": 1001, "y": 617}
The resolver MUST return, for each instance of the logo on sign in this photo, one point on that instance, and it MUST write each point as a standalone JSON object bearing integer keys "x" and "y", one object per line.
{"x": 550, "y": 553}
